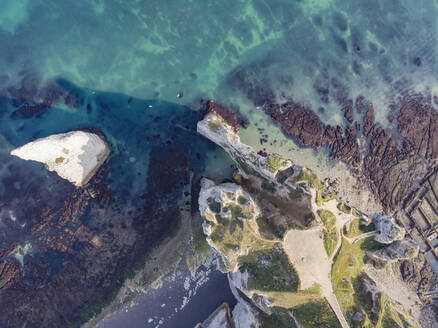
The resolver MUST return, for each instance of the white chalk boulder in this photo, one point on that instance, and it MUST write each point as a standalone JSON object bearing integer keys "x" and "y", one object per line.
{"x": 75, "y": 156}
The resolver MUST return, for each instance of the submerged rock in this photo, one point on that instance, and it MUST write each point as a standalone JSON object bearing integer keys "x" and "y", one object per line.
{"x": 75, "y": 156}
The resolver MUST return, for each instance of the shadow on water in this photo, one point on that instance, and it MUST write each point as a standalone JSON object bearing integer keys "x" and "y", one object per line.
{"x": 85, "y": 242}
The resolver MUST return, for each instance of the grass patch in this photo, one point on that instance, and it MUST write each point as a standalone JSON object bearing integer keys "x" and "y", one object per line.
{"x": 214, "y": 125}
{"x": 330, "y": 241}
{"x": 269, "y": 270}
{"x": 310, "y": 178}
{"x": 316, "y": 314}
{"x": 275, "y": 162}
{"x": 346, "y": 272}
{"x": 237, "y": 212}
{"x": 344, "y": 208}
{"x": 218, "y": 234}
{"x": 279, "y": 318}
{"x": 242, "y": 200}
{"x": 321, "y": 198}
{"x": 213, "y": 205}
{"x": 328, "y": 218}
{"x": 221, "y": 220}
{"x": 357, "y": 229}
{"x": 247, "y": 169}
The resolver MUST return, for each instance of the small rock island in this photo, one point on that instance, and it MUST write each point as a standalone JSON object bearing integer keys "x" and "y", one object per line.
{"x": 75, "y": 156}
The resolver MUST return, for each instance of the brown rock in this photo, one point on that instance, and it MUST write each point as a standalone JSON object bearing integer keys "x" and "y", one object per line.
{"x": 229, "y": 117}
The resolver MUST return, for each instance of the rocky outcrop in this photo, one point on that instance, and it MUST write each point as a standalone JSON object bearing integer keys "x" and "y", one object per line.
{"x": 404, "y": 249}
{"x": 75, "y": 156}
{"x": 222, "y": 206}
{"x": 220, "y": 126}
{"x": 220, "y": 318}
{"x": 389, "y": 170}
{"x": 388, "y": 230}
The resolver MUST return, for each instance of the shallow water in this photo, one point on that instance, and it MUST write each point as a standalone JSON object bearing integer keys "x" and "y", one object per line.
{"x": 321, "y": 53}
{"x": 137, "y": 132}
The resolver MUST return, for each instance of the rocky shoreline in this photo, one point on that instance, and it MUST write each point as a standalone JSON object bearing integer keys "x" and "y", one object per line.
{"x": 392, "y": 251}
{"x": 389, "y": 162}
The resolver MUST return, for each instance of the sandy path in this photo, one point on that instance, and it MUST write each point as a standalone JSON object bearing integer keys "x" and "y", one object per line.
{"x": 306, "y": 251}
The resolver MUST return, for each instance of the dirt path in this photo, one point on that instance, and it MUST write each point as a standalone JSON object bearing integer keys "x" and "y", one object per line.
{"x": 341, "y": 218}
{"x": 306, "y": 251}
{"x": 362, "y": 236}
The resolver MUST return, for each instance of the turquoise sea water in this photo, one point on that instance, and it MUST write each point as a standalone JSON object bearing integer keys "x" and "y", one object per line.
{"x": 320, "y": 52}
{"x": 125, "y": 61}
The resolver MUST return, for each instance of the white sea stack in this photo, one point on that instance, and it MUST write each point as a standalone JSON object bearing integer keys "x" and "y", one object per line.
{"x": 75, "y": 156}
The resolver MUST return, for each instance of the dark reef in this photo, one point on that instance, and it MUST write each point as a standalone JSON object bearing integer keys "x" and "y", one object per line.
{"x": 390, "y": 167}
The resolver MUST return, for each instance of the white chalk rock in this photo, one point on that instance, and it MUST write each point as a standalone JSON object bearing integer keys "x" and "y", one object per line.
{"x": 75, "y": 156}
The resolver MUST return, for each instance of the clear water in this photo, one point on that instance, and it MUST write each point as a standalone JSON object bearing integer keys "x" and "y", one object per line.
{"x": 321, "y": 53}
{"x": 303, "y": 49}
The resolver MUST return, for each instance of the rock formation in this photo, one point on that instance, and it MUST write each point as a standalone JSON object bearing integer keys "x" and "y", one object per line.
{"x": 388, "y": 230}
{"x": 220, "y": 126}
{"x": 389, "y": 170}
{"x": 404, "y": 249}
{"x": 75, "y": 156}
{"x": 223, "y": 206}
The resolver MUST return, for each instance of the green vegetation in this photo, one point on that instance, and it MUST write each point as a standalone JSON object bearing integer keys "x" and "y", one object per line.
{"x": 237, "y": 212}
{"x": 344, "y": 208}
{"x": 316, "y": 314}
{"x": 322, "y": 198}
{"x": 275, "y": 162}
{"x": 221, "y": 220}
{"x": 231, "y": 195}
{"x": 232, "y": 234}
{"x": 294, "y": 225}
{"x": 347, "y": 277}
{"x": 279, "y": 318}
{"x": 269, "y": 270}
{"x": 330, "y": 241}
{"x": 214, "y": 125}
{"x": 268, "y": 228}
{"x": 269, "y": 186}
{"x": 330, "y": 234}
{"x": 328, "y": 218}
{"x": 101, "y": 300}
{"x": 218, "y": 234}
{"x": 242, "y": 200}
{"x": 271, "y": 230}
{"x": 247, "y": 169}
{"x": 198, "y": 241}
{"x": 310, "y": 178}
{"x": 214, "y": 206}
